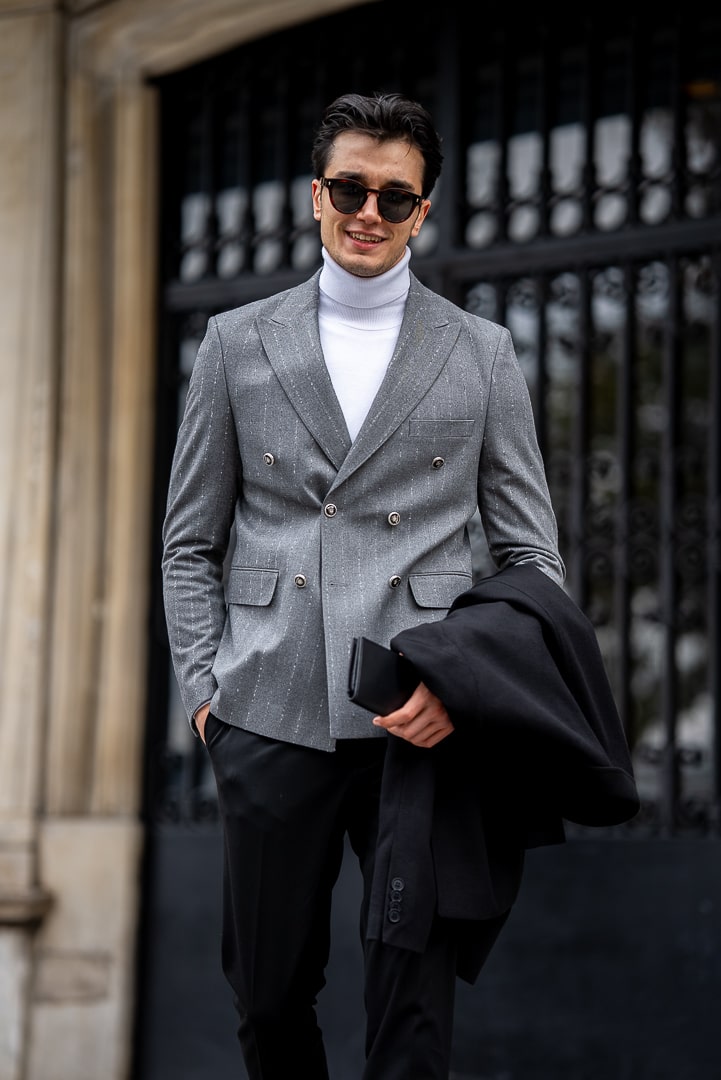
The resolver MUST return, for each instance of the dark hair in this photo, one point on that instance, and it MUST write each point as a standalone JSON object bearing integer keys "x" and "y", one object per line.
{"x": 383, "y": 116}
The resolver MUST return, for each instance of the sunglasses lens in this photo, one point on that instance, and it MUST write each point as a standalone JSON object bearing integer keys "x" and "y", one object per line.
{"x": 395, "y": 205}
{"x": 346, "y": 196}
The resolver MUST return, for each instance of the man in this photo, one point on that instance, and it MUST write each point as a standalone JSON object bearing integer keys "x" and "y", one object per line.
{"x": 347, "y": 429}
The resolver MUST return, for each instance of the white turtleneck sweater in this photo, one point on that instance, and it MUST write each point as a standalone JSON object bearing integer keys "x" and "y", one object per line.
{"x": 359, "y": 319}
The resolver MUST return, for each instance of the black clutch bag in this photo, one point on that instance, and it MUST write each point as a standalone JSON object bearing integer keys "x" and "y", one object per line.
{"x": 379, "y": 679}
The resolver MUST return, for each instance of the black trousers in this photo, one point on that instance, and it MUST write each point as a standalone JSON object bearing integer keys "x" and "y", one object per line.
{"x": 285, "y": 812}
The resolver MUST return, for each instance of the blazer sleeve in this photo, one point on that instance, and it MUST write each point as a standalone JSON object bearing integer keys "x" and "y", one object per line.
{"x": 513, "y": 496}
{"x": 204, "y": 484}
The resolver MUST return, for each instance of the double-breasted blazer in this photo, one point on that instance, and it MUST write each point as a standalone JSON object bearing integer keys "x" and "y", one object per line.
{"x": 283, "y": 539}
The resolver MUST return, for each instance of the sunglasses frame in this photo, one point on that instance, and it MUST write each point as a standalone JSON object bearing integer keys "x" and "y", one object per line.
{"x": 329, "y": 181}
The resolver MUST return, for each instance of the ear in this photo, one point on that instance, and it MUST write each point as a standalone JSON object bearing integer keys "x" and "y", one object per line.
{"x": 317, "y": 189}
{"x": 420, "y": 216}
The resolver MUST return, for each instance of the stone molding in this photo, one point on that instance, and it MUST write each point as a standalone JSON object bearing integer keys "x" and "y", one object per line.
{"x": 24, "y": 909}
{"x": 154, "y": 37}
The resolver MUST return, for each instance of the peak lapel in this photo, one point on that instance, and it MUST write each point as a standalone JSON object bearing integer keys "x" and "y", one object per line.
{"x": 291, "y": 339}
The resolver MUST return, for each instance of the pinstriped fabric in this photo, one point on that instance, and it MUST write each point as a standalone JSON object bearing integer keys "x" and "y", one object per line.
{"x": 332, "y": 540}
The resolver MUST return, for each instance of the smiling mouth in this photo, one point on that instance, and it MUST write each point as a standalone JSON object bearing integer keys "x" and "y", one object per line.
{"x": 365, "y": 238}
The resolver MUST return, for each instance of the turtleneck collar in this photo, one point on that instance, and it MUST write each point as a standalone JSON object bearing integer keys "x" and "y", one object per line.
{"x": 356, "y": 292}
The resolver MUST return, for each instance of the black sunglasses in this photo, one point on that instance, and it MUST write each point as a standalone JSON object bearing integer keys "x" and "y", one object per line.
{"x": 394, "y": 204}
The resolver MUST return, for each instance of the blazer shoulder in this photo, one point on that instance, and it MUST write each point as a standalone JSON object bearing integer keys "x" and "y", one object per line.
{"x": 286, "y": 302}
{"x": 435, "y": 306}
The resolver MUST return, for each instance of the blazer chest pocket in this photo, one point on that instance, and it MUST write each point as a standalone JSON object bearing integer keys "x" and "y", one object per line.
{"x": 250, "y": 585}
{"x": 440, "y": 429}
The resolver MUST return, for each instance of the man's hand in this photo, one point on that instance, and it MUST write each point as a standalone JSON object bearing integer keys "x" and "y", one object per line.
{"x": 200, "y": 717}
{"x": 422, "y": 721}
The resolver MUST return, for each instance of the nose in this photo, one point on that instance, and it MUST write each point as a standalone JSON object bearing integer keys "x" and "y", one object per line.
{"x": 369, "y": 209}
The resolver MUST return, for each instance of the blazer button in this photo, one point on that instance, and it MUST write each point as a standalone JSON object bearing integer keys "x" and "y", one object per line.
{"x": 395, "y": 581}
{"x": 268, "y": 459}
{"x": 398, "y": 884}
{"x": 330, "y": 510}
{"x": 438, "y": 462}
{"x": 300, "y": 580}
{"x": 394, "y": 916}
{"x": 394, "y": 518}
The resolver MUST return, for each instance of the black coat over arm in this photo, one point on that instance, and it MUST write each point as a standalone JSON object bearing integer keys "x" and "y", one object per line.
{"x": 538, "y": 740}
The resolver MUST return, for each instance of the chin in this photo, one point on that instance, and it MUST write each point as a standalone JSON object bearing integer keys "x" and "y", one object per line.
{"x": 363, "y": 269}
{"x": 356, "y": 264}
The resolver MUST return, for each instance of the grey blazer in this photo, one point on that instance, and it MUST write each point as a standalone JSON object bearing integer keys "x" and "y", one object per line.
{"x": 283, "y": 540}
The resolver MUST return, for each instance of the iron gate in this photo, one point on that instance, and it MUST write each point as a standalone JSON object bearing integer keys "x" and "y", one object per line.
{"x": 580, "y": 204}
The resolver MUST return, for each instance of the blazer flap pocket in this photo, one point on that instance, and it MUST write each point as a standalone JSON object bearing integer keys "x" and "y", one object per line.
{"x": 249, "y": 585}
{"x": 438, "y": 590}
{"x": 441, "y": 429}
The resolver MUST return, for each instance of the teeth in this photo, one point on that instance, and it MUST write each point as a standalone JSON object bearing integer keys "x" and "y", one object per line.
{"x": 367, "y": 239}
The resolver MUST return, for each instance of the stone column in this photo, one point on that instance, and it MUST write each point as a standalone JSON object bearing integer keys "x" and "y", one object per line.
{"x": 90, "y": 834}
{"x": 30, "y": 105}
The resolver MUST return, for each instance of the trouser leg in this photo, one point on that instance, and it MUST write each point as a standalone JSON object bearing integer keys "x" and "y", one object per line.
{"x": 409, "y": 996}
{"x": 409, "y": 1004}
{"x": 284, "y": 811}
{"x": 282, "y": 854}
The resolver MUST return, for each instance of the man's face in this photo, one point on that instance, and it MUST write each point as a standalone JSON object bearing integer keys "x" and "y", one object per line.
{"x": 364, "y": 243}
